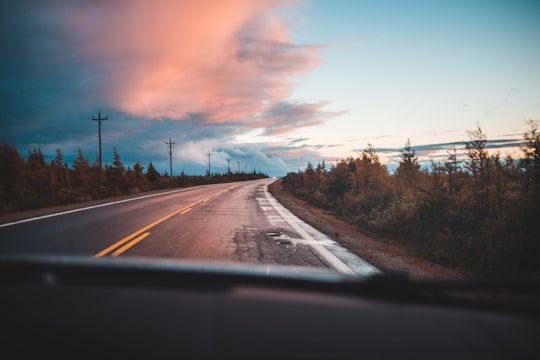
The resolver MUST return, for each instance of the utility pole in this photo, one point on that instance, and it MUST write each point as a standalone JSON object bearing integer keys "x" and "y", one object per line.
{"x": 99, "y": 119}
{"x": 209, "y": 154}
{"x": 238, "y": 162}
{"x": 228, "y": 167}
{"x": 170, "y": 144}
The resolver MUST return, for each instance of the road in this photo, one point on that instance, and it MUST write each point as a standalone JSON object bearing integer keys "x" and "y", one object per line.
{"x": 233, "y": 222}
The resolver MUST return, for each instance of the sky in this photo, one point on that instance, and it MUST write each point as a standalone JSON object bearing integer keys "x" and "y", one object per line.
{"x": 266, "y": 85}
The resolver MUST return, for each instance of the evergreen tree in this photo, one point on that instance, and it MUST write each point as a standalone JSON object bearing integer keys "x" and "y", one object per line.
{"x": 13, "y": 181}
{"x": 531, "y": 164}
{"x": 60, "y": 182}
{"x": 153, "y": 176}
{"x": 408, "y": 170}
{"x": 478, "y": 166}
{"x": 115, "y": 174}
{"x": 39, "y": 178}
{"x": 81, "y": 177}
{"x": 452, "y": 168}
{"x": 136, "y": 179}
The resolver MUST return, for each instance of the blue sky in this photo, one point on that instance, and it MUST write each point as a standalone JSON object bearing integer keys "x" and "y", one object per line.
{"x": 269, "y": 85}
{"x": 425, "y": 70}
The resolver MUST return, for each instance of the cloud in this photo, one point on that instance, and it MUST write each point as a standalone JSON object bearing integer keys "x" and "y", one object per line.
{"x": 188, "y": 60}
{"x": 201, "y": 73}
{"x": 298, "y": 140}
{"x": 440, "y": 151}
{"x": 288, "y": 115}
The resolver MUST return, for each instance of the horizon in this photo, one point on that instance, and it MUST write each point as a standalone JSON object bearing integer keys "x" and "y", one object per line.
{"x": 270, "y": 84}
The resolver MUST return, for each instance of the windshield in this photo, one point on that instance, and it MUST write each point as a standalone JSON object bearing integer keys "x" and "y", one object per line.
{"x": 358, "y": 137}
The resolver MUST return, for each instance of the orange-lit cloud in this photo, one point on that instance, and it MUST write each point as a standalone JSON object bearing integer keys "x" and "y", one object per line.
{"x": 208, "y": 61}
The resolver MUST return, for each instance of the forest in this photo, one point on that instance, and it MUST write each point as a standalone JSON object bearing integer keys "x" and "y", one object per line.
{"x": 479, "y": 213}
{"x": 35, "y": 183}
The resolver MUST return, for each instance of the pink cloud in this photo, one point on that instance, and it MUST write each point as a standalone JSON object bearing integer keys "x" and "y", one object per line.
{"x": 213, "y": 61}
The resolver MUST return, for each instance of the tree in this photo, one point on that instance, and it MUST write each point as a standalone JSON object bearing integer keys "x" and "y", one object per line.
{"x": 531, "y": 163}
{"x": 408, "y": 169}
{"x": 60, "y": 181}
{"x": 368, "y": 161}
{"x": 477, "y": 165}
{"x": 452, "y": 168}
{"x": 39, "y": 177}
{"x": 152, "y": 175}
{"x": 309, "y": 177}
{"x": 13, "y": 182}
{"x": 115, "y": 175}
{"x": 369, "y": 155}
{"x": 340, "y": 181}
{"x": 81, "y": 177}
{"x": 136, "y": 179}
{"x": 372, "y": 179}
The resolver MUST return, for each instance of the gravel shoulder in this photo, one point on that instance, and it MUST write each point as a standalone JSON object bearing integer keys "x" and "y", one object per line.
{"x": 387, "y": 257}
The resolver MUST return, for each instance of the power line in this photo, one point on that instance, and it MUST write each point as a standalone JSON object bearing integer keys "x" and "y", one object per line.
{"x": 209, "y": 154}
{"x": 170, "y": 144}
{"x": 99, "y": 119}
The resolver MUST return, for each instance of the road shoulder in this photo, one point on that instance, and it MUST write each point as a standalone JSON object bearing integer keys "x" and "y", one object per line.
{"x": 387, "y": 257}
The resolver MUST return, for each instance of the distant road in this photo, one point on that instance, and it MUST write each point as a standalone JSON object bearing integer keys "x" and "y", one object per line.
{"x": 233, "y": 222}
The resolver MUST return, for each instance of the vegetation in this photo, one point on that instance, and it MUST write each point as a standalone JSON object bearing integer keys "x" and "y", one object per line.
{"x": 480, "y": 213}
{"x": 35, "y": 183}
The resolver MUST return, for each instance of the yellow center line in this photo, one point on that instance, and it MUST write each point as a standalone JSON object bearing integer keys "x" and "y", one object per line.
{"x": 130, "y": 244}
{"x": 183, "y": 210}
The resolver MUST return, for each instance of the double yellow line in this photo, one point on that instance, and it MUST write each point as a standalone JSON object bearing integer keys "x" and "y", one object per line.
{"x": 121, "y": 246}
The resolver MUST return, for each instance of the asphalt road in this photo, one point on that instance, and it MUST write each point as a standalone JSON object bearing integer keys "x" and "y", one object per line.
{"x": 233, "y": 222}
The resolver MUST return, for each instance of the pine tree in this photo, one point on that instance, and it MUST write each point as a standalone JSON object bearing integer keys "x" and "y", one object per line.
{"x": 81, "y": 177}
{"x": 531, "y": 163}
{"x": 408, "y": 170}
{"x": 13, "y": 180}
{"x": 478, "y": 166}
{"x": 152, "y": 174}
{"x": 115, "y": 174}
{"x": 60, "y": 181}
{"x": 39, "y": 178}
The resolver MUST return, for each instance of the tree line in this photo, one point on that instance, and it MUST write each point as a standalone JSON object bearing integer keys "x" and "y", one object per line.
{"x": 480, "y": 213}
{"x": 35, "y": 183}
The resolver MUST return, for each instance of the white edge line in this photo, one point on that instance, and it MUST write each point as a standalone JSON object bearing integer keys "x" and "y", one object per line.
{"x": 332, "y": 260}
{"x": 93, "y": 207}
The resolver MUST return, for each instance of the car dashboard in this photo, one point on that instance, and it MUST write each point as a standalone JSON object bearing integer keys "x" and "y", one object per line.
{"x": 147, "y": 308}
